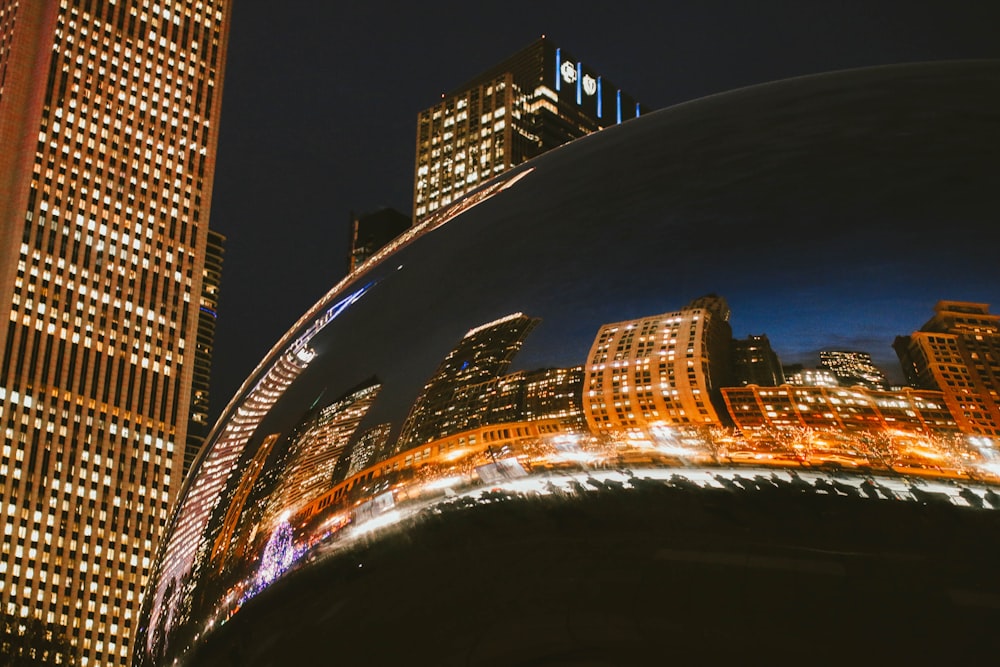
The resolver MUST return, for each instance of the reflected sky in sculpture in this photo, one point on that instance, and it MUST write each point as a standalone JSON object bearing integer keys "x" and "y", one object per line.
{"x": 826, "y": 218}
{"x": 831, "y": 212}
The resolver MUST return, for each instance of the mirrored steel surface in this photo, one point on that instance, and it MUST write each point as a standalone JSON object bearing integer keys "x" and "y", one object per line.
{"x": 573, "y": 323}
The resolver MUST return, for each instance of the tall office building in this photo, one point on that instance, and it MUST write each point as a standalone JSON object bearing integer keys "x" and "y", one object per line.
{"x": 109, "y": 117}
{"x": 665, "y": 369}
{"x": 208, "y": 306}
{"x": 539, "y": 98}
{"x": 958, "y": 352}
{"x": 853, "y": 368}
{"x": 373, "y": 231}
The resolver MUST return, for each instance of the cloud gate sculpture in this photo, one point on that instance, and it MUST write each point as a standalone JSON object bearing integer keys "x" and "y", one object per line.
{"x": 721, "y": 379}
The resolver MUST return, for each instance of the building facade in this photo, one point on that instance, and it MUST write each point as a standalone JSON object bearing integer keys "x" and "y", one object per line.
{"x": 663, "y": 369}
{"x": 839, "y": 409}
{"x": 796, "y": 375}
{"x": 369, "y": 444}
{"x": 536, "y": 100}
{"x": 109, "y": 118}
{"x": 208, "y": 312}
{"x": 554, "y": 393}
{"x": 755, "y": 362}
{"x": 958, "y": 352}
{"x": 372, "y": 231}
{"x": 853, "y": 368}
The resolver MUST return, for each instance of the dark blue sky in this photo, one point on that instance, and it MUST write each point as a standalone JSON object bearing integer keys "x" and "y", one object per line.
{"x": 321, "y": 97}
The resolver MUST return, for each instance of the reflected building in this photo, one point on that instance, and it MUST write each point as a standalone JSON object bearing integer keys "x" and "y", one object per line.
{"x": 798, "y": 376}
{"x": 958, "y": 352}
{"x": 616, "y": 228}
{"x": 755, "y": 408}
{"x": 543, "y": 394}
{"x": 206, "y": 489}
{"x": 853, "y": 368}
{"x": 554, "y": 393}
{"x": 318, "y": 447}
{"x": 754, "y": 362}
{"x": 467, "y": 388}
{"x": 663, "y": 369}
{"x": 536, "y": 100}
{"x": 237, "y": 504}
{"x": 184, "y": 551}
{"x": 373, "y": 441}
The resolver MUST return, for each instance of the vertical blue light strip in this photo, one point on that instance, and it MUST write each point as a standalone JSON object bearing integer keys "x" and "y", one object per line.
{"x": 619, "y": 105}
{"x": 598, "y": 97}
{"x": 636, "y": 109}
{"x": 558, "y": 71}
{"x": 579, "y": 83}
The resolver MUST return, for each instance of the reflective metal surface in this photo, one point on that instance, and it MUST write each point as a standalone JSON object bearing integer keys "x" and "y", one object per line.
{"x": 575, "y": 325}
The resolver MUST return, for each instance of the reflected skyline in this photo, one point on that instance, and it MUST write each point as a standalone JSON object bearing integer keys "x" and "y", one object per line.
{"x": 607, "y": 312}
{"x": 472, "y": 427}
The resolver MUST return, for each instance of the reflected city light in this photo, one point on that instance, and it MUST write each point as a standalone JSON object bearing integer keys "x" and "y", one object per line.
{"x": 611, "y": 324}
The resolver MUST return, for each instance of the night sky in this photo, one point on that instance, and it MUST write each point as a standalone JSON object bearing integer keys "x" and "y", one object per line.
{"x": 320, "y": 105}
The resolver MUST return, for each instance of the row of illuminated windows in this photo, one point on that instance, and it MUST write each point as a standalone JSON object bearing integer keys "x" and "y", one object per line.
{"x": 132, "y": 329}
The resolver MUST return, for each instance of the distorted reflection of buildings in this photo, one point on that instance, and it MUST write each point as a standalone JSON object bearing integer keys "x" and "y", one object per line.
{"x": 838, "y": 409}
{"x": 314, "y": 453}
{"x": 369, "y": 443}
{"x": 754, "y": 362}
{"x": 223, "y": 545}
{"x": 467, "y": 390}
{"x": 666, "y": 377}
{"x": 662, "y": 369}
{"x": 957, "y": 352}
{"x": 796, "y": 375}
{"x": 536, "y": 100}
{"x": 676, "y": 369}
{"x": 554, "y": 393}
{"x": 182, "y": 549}
{"x": 853, "y": 368}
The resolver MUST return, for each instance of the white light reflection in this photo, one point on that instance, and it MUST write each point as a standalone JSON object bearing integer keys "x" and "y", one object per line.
{"x": 382, "y": 521}
{"x": 445, "y": 483}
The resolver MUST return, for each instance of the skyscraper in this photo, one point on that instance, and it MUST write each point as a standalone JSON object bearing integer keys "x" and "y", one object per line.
{"x": 539, "y": 98}
{"x": 208, "y": 306}
{"x": 109, "y": 118}
{"x": 958, "y": 352}
{"x": 371, "y": 442}
{"x": 665, "y": 369}
{"x": 853, "y": 368}
{"x": 372, "y": 231}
